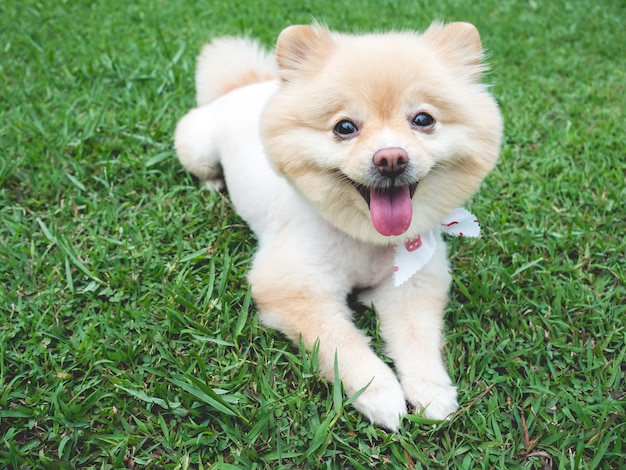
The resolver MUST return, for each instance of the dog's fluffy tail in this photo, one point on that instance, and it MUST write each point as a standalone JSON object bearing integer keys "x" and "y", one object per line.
{"x": 228, "y": 63}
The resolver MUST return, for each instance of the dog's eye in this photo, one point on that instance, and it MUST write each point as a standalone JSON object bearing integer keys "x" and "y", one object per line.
{"x": 345, "y": 128}
{"x": 423, "y": 120}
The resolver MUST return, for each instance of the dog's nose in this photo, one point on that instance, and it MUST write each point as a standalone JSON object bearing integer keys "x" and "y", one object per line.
{"x": 391, "y": 162}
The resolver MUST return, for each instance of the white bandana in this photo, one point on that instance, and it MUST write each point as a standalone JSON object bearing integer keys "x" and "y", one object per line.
{"x": 413, "y": 255}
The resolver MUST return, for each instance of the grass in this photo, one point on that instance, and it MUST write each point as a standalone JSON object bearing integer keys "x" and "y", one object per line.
{"x": 128, "y": 338}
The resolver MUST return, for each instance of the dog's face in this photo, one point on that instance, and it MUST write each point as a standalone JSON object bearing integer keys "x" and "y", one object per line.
{"x": 384, "y": 134}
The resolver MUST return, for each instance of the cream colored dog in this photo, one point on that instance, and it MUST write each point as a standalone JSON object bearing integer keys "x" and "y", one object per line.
{"x": 344, "y": 154}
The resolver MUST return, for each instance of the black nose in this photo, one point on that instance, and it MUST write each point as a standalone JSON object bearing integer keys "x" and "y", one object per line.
{"x": 391, "y": 162}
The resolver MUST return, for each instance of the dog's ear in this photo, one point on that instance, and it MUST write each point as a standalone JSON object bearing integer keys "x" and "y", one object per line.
{"x": 302, "y": 48}
{"x": 460, "y": 44}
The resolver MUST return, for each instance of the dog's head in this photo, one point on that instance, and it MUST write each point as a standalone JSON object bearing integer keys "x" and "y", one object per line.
{"x": 386, "y": 134}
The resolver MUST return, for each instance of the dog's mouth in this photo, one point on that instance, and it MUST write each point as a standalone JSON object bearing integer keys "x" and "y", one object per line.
{"x": 391, "y": 208}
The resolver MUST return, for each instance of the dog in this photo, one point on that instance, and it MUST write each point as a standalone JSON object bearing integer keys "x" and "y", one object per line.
{"x": 345, "y": 154}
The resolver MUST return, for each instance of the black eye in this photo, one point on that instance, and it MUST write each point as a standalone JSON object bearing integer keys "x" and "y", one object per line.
{"x": 345, "y": 128}
{"x": 423, "y": 120}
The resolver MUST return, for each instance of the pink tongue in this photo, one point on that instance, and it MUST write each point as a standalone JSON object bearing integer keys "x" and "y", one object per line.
{"x": 391, "y": 212}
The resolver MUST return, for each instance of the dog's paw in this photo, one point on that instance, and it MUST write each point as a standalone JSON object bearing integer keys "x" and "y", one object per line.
{"x": 436, "y": 400}
{"x": 383, "y": 403}
{"x": 215, "y": 184}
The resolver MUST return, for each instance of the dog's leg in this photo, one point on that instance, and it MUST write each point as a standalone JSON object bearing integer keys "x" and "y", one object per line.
{"x": 196, "y": 147}
{"x": 411, "y": 320}
{"x": 305, "y": 306}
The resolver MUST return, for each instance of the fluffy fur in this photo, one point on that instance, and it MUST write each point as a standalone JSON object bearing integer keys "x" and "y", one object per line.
{"x": 346, "y": 125}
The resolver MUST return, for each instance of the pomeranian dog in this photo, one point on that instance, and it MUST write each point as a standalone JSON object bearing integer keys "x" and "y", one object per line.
{"x": 345, "y": 154}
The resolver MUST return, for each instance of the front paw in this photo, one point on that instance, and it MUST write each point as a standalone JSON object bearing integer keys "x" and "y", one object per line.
{"x": 436, "y": 400}
{"x": 383, "y": 403}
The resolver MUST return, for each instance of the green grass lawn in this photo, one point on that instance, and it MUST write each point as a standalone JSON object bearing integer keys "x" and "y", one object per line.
{"x": 127, "y": 335}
